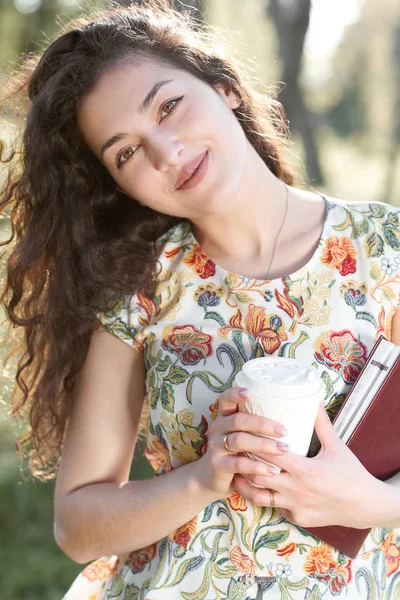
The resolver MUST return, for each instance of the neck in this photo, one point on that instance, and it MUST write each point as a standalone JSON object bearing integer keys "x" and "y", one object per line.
{"x": 251, "y": 223}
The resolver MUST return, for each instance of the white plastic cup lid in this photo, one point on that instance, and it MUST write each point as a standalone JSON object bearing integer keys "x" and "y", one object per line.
{"x": 279, "y": 377}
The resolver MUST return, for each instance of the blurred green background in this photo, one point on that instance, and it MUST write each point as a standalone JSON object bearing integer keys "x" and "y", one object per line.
{"x": 340, "y": 62}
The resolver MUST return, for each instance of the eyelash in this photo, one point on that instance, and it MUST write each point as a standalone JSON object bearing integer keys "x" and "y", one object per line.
{"x": 177, "y": 101}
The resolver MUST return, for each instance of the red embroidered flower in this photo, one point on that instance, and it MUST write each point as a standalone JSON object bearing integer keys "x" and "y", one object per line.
{"x": 140, "y": 558}
{"x": 188, "y": 342}
{"x": 342, "y": 352}
{"x": 287, "y": 550}
{"x": 183, "y": 534}
{"x": 202, "y": 265}
{"x": 341, "y": 254}
{"x": 242, "y": 562}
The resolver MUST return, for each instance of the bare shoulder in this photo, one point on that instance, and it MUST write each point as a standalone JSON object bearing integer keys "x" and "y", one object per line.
{"x": 103, "y": 425}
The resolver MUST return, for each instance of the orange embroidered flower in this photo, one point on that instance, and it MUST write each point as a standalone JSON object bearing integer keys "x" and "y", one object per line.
{"x": 287, "y": 550}
{"x": 100, "y": 569}
{"x": 140, "y": 558}
{"x": 150, "y": 307}
{"x": 341, "y": 254}
{"x": 267, "y": 329}
{"x": 183, "y": 534}
{"x": 202, "y": 265}
{"x": 319, "y": 560}
{"x": 391, "y": 550}
{"x": 342, "y": 352}
{"x": 237, "y": 502}
{"x": 188, "y": 342}
{"x": 242, "y": 562}
{"x": 158, "y": 455}
{"x": 214, "y": 408}
{"x": 172, "y": 253}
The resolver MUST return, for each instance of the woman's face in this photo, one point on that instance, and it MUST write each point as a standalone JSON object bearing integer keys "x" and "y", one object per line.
{"x": 145, "y": 145}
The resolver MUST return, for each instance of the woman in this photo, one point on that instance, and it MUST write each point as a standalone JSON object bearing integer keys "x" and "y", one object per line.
{"x": 154, "y": 196}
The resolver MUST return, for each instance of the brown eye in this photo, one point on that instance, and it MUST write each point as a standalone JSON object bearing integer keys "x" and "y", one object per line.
{"x": 126, "y": 154}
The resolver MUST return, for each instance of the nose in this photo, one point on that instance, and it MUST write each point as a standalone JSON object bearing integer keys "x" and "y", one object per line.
{"x": 165, "y": 153}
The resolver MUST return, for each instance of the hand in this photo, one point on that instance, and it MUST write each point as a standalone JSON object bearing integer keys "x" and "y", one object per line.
{"x": 332, "y": 488}
{"x": 216, "y": 469}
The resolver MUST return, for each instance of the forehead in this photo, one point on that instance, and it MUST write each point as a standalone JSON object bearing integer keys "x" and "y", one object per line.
{"x": 113, "y": 104}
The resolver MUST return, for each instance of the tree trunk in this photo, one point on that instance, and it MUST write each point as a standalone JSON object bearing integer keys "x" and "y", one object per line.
{"x": 291, "y": 20}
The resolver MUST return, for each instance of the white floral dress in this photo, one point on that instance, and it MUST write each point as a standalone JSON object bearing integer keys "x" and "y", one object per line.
{"x": 202, "y": 325}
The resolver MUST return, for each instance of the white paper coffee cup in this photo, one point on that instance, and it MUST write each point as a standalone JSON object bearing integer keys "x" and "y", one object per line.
{"x": 287, "y": 391}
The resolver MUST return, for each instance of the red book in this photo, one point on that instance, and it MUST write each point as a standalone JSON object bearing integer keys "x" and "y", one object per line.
{"x": 369, "y": 423}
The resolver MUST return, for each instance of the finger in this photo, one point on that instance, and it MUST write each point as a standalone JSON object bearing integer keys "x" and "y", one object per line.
{"x": 260, "y": 497}
{"x": 228, "y": 402}
{"x": 288, "y": 461}
{"x": 325, "y": 430}
{"x": 253, "y": 424}
{"x": 242, "y": 464}
{"x": 241, "y": 441}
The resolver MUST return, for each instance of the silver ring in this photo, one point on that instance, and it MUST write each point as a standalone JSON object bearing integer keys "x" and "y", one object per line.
{"x": 225, "y": 444}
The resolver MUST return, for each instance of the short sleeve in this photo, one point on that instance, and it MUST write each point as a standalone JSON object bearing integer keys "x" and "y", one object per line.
{"x": 125, "y": 322}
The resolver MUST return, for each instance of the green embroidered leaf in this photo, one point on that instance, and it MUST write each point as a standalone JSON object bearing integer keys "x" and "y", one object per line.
{"x": 177, "y": 375}
{"x": 375, "y": 271}
{"x": 154, "y": 396}
{"x": 271, "y": 540}
{"x": 392, "y": 219}
{"x": 313, "y": 594}
{"x": 388, "y": 292}
{"x": 328, "y": 384}
{"x": 201, "y": 593}
{"x": 215, "y": 316}
{"x": 220, "y": 573}
{"x": 190, "y": 564}
{"x": 374, "y": 245}
{"x": 167, "y": 397}
{"x": 348, "y": 222}
{"x": 117, "y": 586}
{"x": 392, "y": 236}
{"x": 377, "y": 211}
{"x": 180, "y": 233}
{"x": 367, "y": 316}
{"x": 145, "y": 587}
{"x": 237, "y": 590}
{"x": 334, "y": 405}
{"x": 282, "y": 349}
{"x": 164, "y": 364}
{"x": 131, "y": 592}
{"x": 360, "y": 228}
{"x": 298, "y": 585}
{"x": 120, "y": 329}
{"x": 242, "y": 297}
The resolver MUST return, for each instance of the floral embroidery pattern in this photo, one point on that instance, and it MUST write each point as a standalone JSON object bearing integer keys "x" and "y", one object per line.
{"x": 197, "y": 332}
{"x": 341, "y": 254}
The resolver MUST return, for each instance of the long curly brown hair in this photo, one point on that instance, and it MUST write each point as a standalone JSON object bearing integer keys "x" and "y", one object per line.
{"x": 77, "y": 245}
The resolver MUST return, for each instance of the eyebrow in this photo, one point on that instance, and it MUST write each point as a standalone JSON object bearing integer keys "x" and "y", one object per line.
{"x": 143, "y": 108}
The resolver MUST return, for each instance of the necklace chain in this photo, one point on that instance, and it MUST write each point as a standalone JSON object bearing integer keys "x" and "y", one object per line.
{"x": 278, "y": 238}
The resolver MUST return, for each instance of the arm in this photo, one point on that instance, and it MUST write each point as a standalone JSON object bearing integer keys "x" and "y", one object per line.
{"x": 391, "y": 503}
{"x": 97, "y": 510}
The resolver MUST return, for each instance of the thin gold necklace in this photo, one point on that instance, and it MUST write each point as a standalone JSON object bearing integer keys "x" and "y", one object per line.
{"x": 278, "y": 238}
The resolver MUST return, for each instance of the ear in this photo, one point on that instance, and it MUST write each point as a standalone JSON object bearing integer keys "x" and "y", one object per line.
{"x": 229, "y": 95}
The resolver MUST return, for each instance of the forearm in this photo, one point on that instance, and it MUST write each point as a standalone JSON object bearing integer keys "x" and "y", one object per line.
{"x": 389, "y": 503}
{"x": 116, "y": 518}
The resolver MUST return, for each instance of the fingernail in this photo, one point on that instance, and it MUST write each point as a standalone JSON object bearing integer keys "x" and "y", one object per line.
{"x": 274, "y": 470}
{"x": 244, "y": 393}
{"x": 280, "y": 430}
{"x": 282, "y": 446}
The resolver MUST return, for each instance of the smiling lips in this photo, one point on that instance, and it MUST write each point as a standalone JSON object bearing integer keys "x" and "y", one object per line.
{"x": 193, "y": 172}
